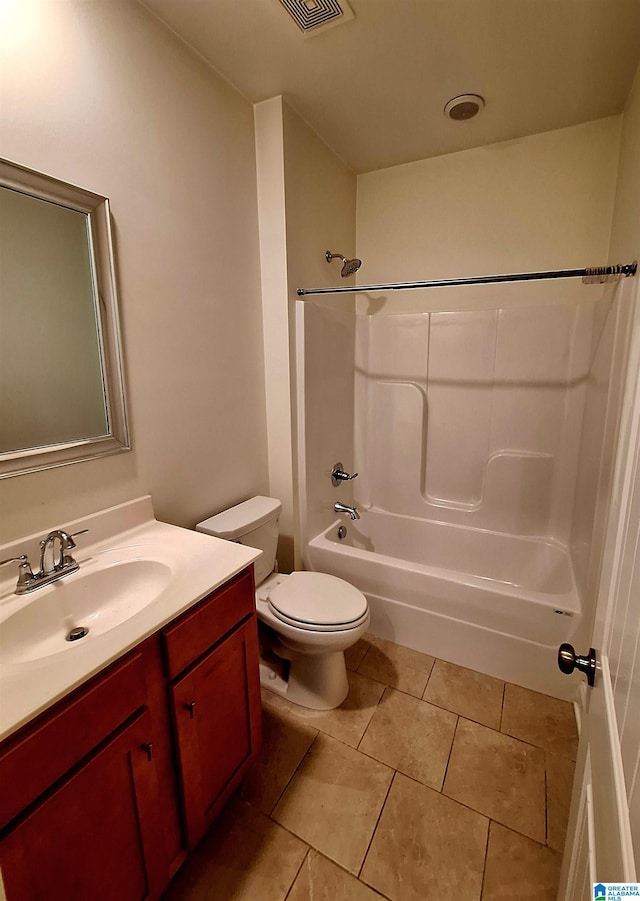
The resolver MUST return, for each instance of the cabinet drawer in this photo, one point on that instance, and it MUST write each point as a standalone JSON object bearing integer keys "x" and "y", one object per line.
{"x": 34, "y": 760}
{"x": 202, "y": 627}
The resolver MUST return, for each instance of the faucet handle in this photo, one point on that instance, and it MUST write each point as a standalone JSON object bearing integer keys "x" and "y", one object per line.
{"x": 339, "y": 475}
{"x": 22, "y": 559}
{"x": 25, "y": 575}
{"x": 68, "y": 542}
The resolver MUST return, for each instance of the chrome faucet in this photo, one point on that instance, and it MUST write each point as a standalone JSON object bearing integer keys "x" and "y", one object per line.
{"x": 66, "y": 544}
{"x": 345, "y": 508}
{"x": 63, "y": 566}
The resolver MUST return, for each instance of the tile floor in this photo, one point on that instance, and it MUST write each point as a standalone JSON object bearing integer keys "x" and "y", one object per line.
{"x": 430, "y": 781}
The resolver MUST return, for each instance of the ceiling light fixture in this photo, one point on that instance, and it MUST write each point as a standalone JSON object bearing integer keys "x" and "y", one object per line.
{"x": 463, "y": 107}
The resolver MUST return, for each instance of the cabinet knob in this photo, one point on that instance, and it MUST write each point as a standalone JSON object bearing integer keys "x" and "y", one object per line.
{"x": 148, "y": 749}
{"x": 190, "y": 707}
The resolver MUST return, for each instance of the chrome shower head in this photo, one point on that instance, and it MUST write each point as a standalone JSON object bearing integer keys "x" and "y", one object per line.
{"x": 348, "y": 266}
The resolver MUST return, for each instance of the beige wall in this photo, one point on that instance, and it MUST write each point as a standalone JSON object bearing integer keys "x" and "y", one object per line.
{"x": 307, "y": 206}
{"x": 268, "y": 118}
{"x": 100, "y": 95}
{"x": 541, "y": 202}
{"x": 321, "y": 216}
{"x": 625, "y": 231}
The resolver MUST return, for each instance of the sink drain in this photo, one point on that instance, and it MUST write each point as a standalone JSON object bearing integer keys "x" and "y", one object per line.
{"x": 77, "y": 633}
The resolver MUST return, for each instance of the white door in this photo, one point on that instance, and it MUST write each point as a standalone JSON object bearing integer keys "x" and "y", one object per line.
{"x": 603, "y": 840}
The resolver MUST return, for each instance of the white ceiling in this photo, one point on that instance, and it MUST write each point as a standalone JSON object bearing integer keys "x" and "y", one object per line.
{"x": 374, "y": 88}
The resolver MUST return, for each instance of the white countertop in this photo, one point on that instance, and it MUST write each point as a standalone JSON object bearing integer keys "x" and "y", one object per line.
{"x": 199, "y": 564}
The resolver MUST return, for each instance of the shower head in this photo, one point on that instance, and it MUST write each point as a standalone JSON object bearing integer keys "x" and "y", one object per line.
{"x": 348, "y": 266}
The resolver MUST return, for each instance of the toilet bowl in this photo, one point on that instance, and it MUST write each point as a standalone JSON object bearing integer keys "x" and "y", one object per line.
{"x": 312, "y": 634}
{"x": 307, "y": 619}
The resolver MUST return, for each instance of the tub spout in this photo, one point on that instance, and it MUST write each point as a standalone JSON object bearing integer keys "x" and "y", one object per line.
{"x": 345, "y": 508}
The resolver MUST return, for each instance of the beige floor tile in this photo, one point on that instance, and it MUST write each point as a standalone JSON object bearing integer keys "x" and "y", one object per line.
{"x": 519, "y": 868}
{"x": 426, "y": 847}
{"x": 412, "y": 736}
{"x": 273, "y": 701}
{"x": 397, "y": 666}
{"x": 560, "y": 772}
{"x": 278, "y": 703}
{"x": 543, "y": 721}
{"x": 334, "y": 800}
{"x": 284, "y": 744}
{"x": 321, "y": 880}
{"x": 347, "y": 722}
{"x": 245, "y": 856}
{"x": 498, "y": 776}
{"x": 354, "y": 655}
{"x": 472, "y": 695}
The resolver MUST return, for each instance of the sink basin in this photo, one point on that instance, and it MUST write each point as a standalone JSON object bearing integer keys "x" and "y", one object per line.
{"x": 136, "y": 575}
{"x": 98, "y": 599}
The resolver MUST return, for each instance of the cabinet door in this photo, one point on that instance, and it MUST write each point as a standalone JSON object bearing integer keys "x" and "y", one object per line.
{"x": 96, "y": 835}
{"x": 216, "y": 706}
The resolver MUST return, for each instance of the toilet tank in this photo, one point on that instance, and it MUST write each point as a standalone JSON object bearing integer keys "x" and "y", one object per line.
{"x": 254, "y": 523}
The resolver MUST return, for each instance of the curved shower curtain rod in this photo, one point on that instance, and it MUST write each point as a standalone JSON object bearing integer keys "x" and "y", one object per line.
{"x": 596, "y": 275}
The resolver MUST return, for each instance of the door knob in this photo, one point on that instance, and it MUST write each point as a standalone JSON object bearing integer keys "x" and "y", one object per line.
{"x": 568, "y": 660}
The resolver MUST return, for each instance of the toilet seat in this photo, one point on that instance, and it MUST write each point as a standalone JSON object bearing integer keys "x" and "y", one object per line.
{"x": 318, "y": 602}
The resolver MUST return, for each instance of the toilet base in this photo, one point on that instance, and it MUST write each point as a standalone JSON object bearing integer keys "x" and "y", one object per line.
{"x": 318, "y": 682}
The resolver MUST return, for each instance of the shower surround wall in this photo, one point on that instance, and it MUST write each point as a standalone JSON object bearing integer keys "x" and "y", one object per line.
{"x": 471, "y": 416}
{"x": 466, "y": 437}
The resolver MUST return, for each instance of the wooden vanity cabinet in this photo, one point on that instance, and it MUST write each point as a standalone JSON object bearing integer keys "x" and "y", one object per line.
{"x": 215, "y": 701}
{"x": 101, "y": 793}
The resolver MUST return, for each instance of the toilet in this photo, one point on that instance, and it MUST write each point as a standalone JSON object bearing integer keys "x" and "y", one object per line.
{"x": 307, "y": 619}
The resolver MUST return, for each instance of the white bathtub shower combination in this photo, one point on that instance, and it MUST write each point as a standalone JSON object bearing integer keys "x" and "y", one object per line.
{"x": 498, "y": 603}
{"x": 465, "y": 429}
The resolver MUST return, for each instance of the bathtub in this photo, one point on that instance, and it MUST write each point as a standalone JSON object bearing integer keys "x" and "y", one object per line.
{"x": 497, "y": 603}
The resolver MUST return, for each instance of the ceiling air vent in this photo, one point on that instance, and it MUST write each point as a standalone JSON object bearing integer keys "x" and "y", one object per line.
{"x": 313, "y": 16}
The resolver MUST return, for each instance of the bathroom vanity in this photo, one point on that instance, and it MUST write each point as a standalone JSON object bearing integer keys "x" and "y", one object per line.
{"x": 107, "y": 788}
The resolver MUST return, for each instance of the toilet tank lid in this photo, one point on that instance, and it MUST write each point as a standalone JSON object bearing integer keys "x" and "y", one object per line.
{"x": 242, "y": 518}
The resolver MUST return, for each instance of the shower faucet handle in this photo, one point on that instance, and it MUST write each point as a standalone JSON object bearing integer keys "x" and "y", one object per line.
{"x": 339, "y": 475}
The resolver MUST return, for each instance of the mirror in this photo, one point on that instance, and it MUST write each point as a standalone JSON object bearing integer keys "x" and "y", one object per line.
{"x": 61, "y": 382}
